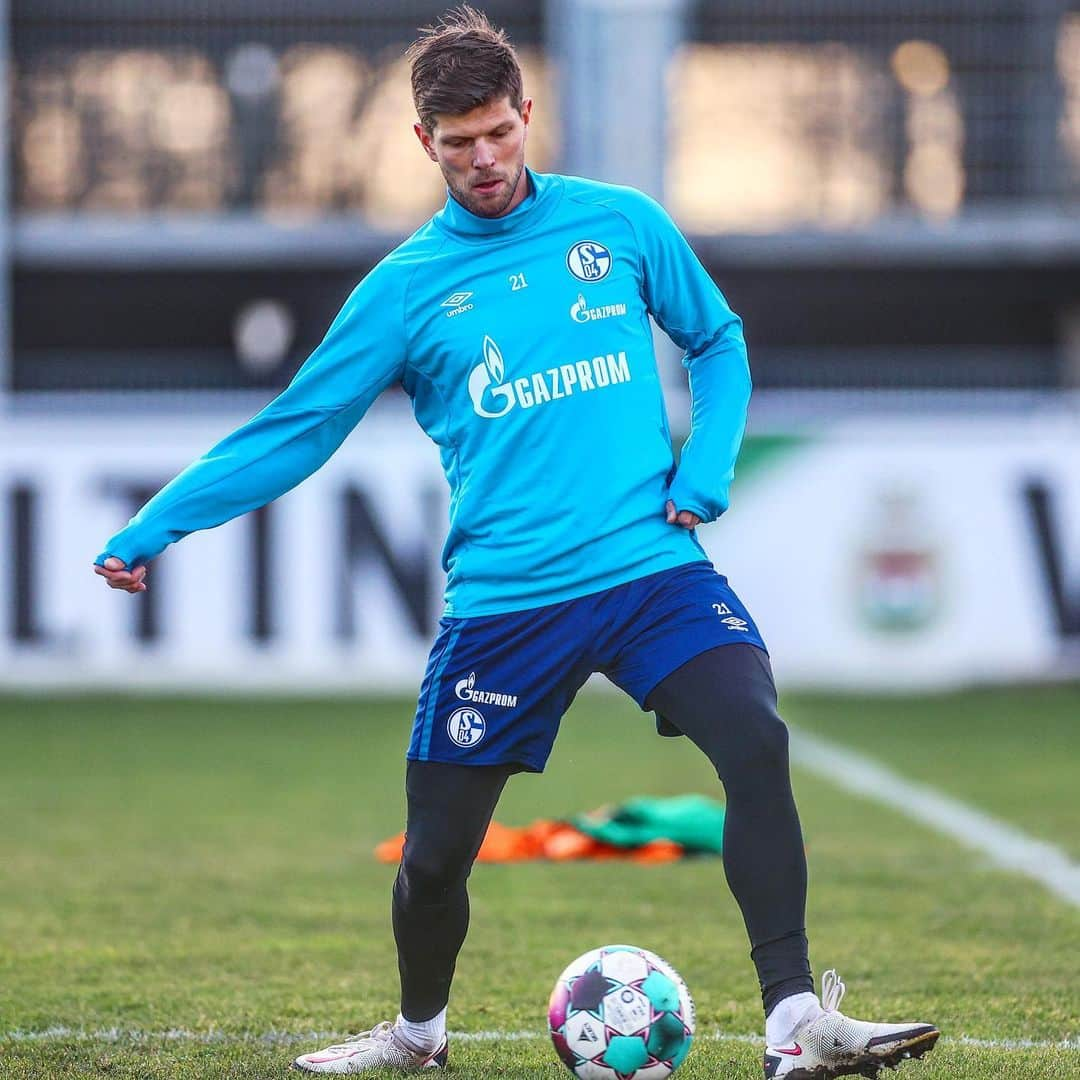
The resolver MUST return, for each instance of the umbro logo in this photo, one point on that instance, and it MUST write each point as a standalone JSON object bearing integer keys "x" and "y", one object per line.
{"x": 732, "y": 621}
{"x": 458, "y": 303}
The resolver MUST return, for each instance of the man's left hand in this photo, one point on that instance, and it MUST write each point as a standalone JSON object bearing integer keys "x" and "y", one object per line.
{"x": 683, "y": 518}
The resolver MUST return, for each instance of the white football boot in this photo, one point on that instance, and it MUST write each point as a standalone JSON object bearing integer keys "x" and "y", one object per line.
{"x": 374, "y": 1049}
{"x": 827, "y": 1043}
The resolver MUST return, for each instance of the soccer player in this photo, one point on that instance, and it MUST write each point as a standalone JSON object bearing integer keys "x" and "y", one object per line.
{"x": 517, "y": 321}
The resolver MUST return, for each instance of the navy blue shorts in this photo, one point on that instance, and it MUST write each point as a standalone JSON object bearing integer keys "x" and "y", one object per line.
{"x": 497, "y": 686}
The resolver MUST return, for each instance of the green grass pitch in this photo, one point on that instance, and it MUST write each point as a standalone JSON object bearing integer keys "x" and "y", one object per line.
{"x": 187, "y": 888}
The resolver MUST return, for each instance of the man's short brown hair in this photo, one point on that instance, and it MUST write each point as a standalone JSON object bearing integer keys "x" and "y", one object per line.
{"x": 460, "y": 63}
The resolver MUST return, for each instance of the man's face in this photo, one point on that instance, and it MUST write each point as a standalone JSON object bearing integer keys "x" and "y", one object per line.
{"x": 482, "y": 155}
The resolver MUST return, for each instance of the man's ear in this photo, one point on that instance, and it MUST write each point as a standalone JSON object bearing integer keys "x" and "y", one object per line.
{"x": 425, "y": 141}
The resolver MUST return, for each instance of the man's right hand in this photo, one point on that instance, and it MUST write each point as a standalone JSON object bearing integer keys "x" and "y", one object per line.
{"x": 116, "y": 573}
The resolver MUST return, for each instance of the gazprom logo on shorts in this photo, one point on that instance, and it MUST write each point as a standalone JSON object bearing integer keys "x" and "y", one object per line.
{"x": 466, "y": 690}
{"x": 466, "y": 727}
{"x": 588, "y": 261}
{"x": 492, "y": 398}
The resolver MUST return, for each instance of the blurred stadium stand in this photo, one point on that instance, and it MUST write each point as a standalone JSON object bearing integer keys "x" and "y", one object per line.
{"x": 888, "y": 192}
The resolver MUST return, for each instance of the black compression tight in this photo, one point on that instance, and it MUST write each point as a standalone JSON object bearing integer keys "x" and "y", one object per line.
{"x": 724, "y": 701}
{"x": 449, "y": 807}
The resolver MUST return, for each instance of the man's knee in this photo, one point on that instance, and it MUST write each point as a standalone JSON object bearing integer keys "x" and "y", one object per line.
{"x": 755, "y": 738}
{"x": 745, "y": 738}
{"x": 430, "y": 874}
{"x": 767, "y": 735}
{"x": 449, "y": 807}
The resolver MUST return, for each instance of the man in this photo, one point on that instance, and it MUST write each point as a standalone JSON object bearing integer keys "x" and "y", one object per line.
{"x": 517, "y": 322}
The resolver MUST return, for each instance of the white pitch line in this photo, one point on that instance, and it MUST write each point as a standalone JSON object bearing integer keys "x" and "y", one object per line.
{"x": 1003, "y": 844}
{"x": 294, "y": 1038}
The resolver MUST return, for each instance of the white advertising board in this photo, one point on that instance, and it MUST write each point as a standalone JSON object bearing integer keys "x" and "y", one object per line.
{"x": 905, "y": 553}
{"x": 336, "y": 585}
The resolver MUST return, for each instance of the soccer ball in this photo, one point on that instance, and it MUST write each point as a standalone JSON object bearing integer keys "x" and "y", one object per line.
{"x": 621, "y": 1013}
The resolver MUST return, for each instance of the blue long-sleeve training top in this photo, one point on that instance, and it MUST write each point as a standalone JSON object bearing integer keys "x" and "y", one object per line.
{"x": 525, "y": 346}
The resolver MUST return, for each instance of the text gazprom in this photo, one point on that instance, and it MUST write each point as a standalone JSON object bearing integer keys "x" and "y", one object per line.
{"x": 567, "y": 379}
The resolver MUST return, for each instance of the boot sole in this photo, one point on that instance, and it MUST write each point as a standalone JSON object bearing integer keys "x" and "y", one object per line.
{"x": 438, "y": 1060}
{"x": 870, "y": 1066}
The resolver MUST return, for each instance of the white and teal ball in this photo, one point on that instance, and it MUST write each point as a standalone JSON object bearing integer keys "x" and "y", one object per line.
{"x": 621, "y": 1013}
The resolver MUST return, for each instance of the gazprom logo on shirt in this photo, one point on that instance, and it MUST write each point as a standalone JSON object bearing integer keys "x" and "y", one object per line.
{"x": 487, "y": 379}
{"x": 492, "y": 398}
{"x": 582, "y": 313}
{"x": 588, "y": 261}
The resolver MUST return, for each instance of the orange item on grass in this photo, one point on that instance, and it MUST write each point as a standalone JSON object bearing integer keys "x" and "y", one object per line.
{"x": 501, "y": 844}
{"x": 543, "y": 839}
{"x": 505, "y": 844}
{"x": 390, "y": 850}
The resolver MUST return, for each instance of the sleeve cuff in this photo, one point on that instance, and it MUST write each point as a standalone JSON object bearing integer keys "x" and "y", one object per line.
{"x": 707, "y": 510}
